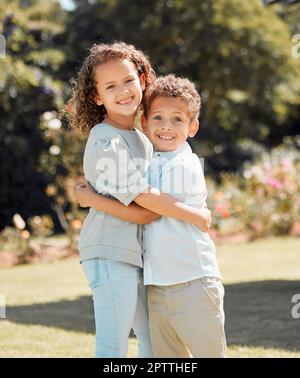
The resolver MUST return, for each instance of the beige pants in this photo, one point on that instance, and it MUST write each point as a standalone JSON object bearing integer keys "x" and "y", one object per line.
{"x": 187, "y": 320}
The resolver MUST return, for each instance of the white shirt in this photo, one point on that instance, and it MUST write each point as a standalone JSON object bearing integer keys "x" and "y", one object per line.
{"x": 174, "y": 251}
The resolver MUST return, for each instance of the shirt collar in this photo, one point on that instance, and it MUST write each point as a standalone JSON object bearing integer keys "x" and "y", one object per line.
{"x": 183, "y": 148}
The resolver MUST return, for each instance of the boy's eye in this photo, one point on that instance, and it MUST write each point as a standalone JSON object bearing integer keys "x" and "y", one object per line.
{"x": 157, "y": 117}
{"x": 129, "y": 80}
{"x": 110, "y": 87}
{"x": 178, "y": 119}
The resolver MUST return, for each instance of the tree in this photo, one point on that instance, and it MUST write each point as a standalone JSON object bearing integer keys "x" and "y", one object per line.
{"x": 238, "y": 52}
{"x": 27, "y": 90}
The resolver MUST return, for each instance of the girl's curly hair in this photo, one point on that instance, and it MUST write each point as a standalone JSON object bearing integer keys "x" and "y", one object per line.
{"x": 82, "y": 111}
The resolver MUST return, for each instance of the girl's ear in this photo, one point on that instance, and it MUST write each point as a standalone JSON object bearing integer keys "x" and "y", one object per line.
{"x": 143, "y": 81}
{"x": 193, "y": 128}
{"x": 97, "y": 100}
{"x": 144, "y": 124}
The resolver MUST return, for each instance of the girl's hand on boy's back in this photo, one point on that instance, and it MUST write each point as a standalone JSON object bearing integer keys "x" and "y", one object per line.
{"x": 84, "y": 194}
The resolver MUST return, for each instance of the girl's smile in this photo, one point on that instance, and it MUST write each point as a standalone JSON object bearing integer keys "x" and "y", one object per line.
{"x": 127, "y": 101}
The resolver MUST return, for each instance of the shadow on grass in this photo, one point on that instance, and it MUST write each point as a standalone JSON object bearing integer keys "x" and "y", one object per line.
{"x": 260, "y": 314}
{"x": 71, "y": 315}
{"x": 257, "y": 314}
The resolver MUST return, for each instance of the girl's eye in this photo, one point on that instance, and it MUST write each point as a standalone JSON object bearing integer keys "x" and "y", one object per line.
{"x": 110, "y": 87}
{"x": 178, "y": 119}
{"x": 157, "y": 117}
{"x": 129, "y": 80}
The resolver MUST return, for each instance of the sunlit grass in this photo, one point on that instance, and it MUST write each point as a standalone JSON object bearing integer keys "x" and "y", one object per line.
{"x": 49, "y": 308}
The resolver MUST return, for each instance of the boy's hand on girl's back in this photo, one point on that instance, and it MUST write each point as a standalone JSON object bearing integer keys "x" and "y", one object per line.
{"x": 205, "y": 225}
{"x": 83, "y": 194}
{"x": 209, "y": 218}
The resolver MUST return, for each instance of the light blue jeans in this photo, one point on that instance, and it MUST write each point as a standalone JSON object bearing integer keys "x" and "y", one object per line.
{"x": 120, "y": 303}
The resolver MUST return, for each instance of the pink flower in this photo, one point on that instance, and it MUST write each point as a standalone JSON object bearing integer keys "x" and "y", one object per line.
{"x": 222, "y": 210}
{"x": 285, "y": 163}
{"x": 273, "y": 182}
{"x": 259, "y": 191}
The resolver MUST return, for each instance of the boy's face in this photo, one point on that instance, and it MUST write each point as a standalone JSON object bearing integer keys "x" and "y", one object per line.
{"x": 168, "y": 124}
{"x": 119, "y": 87}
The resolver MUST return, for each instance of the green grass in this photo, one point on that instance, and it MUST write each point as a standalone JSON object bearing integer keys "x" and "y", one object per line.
{"x": 49, "y": 308}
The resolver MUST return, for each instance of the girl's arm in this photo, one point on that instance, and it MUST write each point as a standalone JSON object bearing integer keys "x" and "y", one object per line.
{"x": 168, "y": 206}
{"x": 133, "y": 213}
{"x": 150, "y": 202}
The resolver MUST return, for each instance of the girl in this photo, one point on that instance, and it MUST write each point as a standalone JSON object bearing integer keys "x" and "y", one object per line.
{"x": 106, "y": 97}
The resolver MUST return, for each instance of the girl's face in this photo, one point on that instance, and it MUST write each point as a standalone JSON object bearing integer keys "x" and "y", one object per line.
{"x": 119, "y": 87}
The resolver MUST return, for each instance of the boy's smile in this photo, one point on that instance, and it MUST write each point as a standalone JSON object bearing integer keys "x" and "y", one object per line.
{"x": 168, "y": 124}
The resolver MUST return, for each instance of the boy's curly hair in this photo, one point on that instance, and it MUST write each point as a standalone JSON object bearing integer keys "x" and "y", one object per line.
{"x": 81, "y": 110}
{"x": 173, "y": 86}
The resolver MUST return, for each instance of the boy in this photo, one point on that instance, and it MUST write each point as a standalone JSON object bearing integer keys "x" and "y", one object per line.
{"x": 185, "y": 293}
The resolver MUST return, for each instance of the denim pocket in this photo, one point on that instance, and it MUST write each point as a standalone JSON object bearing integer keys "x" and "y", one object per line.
{"x": 93, "y": 271}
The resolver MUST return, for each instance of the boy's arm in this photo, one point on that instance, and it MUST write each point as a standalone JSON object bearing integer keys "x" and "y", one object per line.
{"x": 150, "y": 201}
{"x": 149, "y": 198}
{"x": 165, "y": 205}
{"x": 133, "y": 213}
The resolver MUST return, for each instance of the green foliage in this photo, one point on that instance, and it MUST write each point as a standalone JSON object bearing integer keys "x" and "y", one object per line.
{"x": 290, "y": 14}
{"x": 27, "y": 90}
{"x": 238, "y": 52}
{"x": 14, "y": 240}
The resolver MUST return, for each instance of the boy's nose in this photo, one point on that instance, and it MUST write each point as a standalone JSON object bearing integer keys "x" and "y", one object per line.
{"x": 166, "y": 126}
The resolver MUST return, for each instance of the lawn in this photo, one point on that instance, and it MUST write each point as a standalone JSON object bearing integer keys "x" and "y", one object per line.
{"x": 49, "y": 308}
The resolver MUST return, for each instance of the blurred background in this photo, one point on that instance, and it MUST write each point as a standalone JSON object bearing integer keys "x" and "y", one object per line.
{"x": 244, "y": 57}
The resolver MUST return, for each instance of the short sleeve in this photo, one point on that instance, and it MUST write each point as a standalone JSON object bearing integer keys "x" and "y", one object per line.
{"x": 183, "y": 179}
{"x": 198, "y": 193}
{"x": 148, "y": 147}
{"x": 116, "y": 171}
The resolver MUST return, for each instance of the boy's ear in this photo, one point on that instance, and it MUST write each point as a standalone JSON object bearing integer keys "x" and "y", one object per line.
{"x": 144, "y": 124}
{"x": 194, "y": 127}
{"x": 143, "y": 81}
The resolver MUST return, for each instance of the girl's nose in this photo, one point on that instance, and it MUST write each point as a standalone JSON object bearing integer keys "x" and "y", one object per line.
{"x": 123, "y": 89}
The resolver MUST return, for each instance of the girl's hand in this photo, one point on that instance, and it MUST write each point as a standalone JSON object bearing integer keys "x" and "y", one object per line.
{"x": 84, "y": 194}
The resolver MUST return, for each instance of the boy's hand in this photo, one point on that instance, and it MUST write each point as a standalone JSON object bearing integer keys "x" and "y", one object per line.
{"x": 207, "y": 219}
{"x": 84, "y": 194}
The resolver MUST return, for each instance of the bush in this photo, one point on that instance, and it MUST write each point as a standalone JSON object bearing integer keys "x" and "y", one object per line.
{"x": 263, "y": 200}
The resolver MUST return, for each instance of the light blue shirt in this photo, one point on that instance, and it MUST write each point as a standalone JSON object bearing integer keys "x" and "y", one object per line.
{"x": 115, "y": 163}
{"x": 174, "y": 251}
